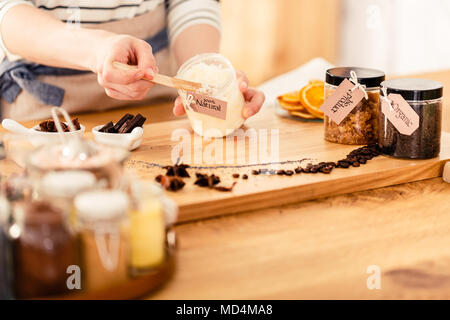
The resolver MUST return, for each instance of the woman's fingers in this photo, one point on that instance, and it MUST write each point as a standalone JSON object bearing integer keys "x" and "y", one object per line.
{"x": 254, "y": 100}
{"x": 242, "y": 81}
{"x": 126, "y": 84}
{"x": 116, "y": 94}
{"x": 136, "y": 91}
{"x": 110, "y": 74}
{"x": 145, "y": 59}
{"x": 178, "y": 108}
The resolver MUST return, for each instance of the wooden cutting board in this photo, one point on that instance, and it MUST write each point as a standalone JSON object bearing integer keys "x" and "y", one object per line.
{"x": 297, "y": 140}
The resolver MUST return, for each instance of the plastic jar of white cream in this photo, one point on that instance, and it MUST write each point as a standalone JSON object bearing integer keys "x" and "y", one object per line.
{"x": 215, "y": 110}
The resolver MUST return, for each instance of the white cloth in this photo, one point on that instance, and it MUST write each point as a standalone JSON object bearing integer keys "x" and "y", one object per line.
{"x": 294, "y": 80}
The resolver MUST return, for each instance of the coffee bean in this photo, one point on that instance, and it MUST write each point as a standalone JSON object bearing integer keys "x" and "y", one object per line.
{"x": 326, "y": 170}
{"x": 235, "y": 175}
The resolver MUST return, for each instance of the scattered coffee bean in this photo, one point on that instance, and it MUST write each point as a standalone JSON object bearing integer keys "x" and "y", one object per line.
{"x": 326, "y": 170}
{"x": 171, "y": 180}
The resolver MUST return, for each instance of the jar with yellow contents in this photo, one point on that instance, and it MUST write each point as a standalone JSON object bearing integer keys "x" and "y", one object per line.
{"x": 151, "y": 217}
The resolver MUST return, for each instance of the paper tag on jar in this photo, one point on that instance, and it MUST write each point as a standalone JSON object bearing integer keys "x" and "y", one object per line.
{"x": 342, "y": 101}
{"x": 400, "y": 114}
{"x": 207, "y": 105}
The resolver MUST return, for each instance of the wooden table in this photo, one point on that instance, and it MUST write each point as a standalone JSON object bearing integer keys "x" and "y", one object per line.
{"x": 317, "y": 249}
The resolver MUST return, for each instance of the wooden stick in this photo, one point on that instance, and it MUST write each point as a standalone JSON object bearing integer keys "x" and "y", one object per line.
{"x": 163, "y": 79}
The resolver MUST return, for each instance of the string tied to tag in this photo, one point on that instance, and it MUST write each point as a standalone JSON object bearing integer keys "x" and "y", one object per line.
{"x": 354, "y": 80}
{"x": 189, "y": 100}
{"x": 385, "y": 97}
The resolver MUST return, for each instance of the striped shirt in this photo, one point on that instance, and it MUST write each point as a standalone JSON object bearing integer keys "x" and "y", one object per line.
{"x": 180, "y": 13}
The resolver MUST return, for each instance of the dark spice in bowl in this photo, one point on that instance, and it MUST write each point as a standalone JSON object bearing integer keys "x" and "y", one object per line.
{"x": 49, "y": 126}
{"x": 126, "y": 124}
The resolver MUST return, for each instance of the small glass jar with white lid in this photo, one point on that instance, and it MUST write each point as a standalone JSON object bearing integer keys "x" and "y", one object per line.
{"x": 104, "y": 233}
{"x": 219, "y": 81}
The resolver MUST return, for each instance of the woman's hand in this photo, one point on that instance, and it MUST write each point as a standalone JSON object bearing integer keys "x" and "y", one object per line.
{"x": 254, "y": 99}
{"x": 124, "y": 84}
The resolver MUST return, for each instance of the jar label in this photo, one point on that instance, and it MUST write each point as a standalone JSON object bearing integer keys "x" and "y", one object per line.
{"x": 207, "y": 105}
{"x": 342, "y": 101}
{"x": 400, "y": 114}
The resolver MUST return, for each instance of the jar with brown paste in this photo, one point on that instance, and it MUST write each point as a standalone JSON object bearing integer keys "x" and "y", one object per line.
{"x": 43, "y": 250}
{"x": 360, "y": 126}
{"x": 424, "y": 97}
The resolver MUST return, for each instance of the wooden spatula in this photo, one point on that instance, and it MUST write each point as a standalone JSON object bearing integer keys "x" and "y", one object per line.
{"x": 163, "y": 80}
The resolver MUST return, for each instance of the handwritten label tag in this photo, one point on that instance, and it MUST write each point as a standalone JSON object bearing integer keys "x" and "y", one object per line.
{"x": 342, "y": 101}
{"x": 401, "y": 115}
{"x": 207, "y": 105}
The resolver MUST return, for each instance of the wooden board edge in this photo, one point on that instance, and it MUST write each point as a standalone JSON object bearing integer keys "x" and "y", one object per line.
{"x": 311, "y": 191}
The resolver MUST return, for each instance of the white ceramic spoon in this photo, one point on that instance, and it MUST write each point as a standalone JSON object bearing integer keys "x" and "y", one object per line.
{"x": 34, "y": 135}
{"x": 15, "y": 127}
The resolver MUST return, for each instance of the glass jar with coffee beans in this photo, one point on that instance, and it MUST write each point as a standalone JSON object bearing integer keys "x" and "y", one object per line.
{"x": 360, "y": 126}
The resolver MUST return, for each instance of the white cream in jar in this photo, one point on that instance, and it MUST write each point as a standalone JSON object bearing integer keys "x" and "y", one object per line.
{"x": 218, "y": 78}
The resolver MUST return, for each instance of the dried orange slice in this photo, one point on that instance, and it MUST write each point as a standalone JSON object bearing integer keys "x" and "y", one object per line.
{"x": 312, "y": 97}
{"x": 313, "y": 81}
{"x": 292, "y": 97}
{"x": 303, "y": 115}
{"x": 290, "y": 106}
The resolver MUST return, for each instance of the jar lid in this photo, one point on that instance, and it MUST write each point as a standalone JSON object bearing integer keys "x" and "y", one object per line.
{"x": 414, "y": 89}
{"x": 52, "y": 157}
{"x": 101, "y": 205}
{"x": 368, "y": 77}
{"x": 67, "y": 183}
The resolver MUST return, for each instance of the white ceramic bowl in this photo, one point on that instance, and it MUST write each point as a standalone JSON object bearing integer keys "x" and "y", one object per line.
{"x": 129, "y": 141}
{"x": 37, "y": 137}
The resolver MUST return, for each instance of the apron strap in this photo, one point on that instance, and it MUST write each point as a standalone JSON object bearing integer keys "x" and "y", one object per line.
{"x": 16, "y": 76}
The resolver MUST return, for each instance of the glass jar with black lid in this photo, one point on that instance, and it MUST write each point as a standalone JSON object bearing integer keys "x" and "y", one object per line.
{"x": 360, "y": 126}
{"x": 425, "y": 98}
